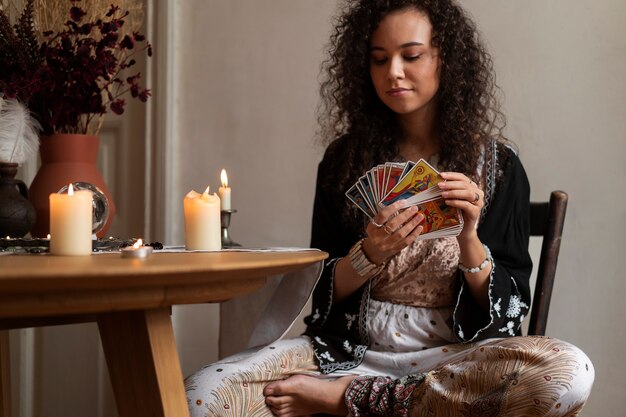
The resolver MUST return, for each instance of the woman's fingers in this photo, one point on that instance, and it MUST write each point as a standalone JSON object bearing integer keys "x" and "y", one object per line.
{"x": 461, "y": 192}
{"x": 454, "y": 176}
{"x": 386, "y": 221}
{"x": 394, "y": 235}
{"x": 398, "y": 221}
{"x": 458, "y": 186}
{"x": 403, "y": 226}
{"x": 387, "y": 213}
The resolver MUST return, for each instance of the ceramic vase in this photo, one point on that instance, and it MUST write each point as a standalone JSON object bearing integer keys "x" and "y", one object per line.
{"x": 66, "y": 158}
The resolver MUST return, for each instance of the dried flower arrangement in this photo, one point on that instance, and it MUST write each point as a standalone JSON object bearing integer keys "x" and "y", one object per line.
{"x": 69, "y": 77}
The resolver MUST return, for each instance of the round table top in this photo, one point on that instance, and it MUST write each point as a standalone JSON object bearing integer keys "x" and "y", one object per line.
{"x": 43, "y": 284}
{"x": 26, "y": 272}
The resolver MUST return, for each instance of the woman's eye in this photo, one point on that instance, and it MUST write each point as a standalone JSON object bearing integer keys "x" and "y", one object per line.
{"x": 413, "y": 57}
{"x": 378, "y": 61}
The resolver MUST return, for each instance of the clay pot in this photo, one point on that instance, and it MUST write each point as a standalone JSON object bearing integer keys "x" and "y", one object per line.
{"x": 17, "y": 214}
{"x": 66, "y": 158}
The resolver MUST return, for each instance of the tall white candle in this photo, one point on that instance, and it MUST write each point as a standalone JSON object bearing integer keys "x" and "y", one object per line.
{"x": 224, "y": 191}
{"x": 71, "y": 222}
{"x": 202, "y": 221}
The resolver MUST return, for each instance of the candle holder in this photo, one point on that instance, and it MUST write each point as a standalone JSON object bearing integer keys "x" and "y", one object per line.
{"x": 227, "y": 242}
{"x": 141, "y": 252}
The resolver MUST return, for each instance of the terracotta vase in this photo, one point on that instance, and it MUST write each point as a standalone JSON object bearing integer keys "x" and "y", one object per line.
{"x": 17, "y": 214}
{"x": 66, "y": 158}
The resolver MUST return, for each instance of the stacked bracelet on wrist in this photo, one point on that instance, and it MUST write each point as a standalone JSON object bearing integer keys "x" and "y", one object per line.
{"x": 480, "y": 267}
{"x": 361, "y": 264}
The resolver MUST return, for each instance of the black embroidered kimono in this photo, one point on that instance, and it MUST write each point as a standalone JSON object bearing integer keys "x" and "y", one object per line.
{"x": 504, "y": 229}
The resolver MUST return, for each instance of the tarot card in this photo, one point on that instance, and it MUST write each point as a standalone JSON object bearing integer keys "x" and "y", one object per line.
{"x": 367, "y": 191}
{"x": 393, "y": 175}
{"x": 416, "y": 186}
{"x": 440, "y": 219}
{"x": 407, "y": 167}
{"x": 380, "y": 180}
{"x": 373, "y": 182}
{"x": 357, "y": 198}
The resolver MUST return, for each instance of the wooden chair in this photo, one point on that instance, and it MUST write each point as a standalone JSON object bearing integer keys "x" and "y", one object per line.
{"x": 546, "y": 219}
{"x": 5, "y": 375}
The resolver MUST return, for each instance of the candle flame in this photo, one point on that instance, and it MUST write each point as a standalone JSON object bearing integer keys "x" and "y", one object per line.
{"x": 48, "y": 237}
{"x": 224, "y": 178}
{"x": 207, "y": 190}
{"x": 70, "y": 190}
{"x": 138, "y": 243}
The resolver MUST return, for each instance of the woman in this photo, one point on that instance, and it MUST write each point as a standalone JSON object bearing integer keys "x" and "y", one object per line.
{"x": 402, "y": 326}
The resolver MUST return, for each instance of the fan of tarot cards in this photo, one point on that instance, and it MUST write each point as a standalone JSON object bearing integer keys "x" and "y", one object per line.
{"x": 415, "y": 182}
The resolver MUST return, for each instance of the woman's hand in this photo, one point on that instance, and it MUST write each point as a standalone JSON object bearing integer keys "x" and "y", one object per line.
{"x": 461, "y": 192}
{"x": 392, "y": 230}
{"x": 464, "y": 194}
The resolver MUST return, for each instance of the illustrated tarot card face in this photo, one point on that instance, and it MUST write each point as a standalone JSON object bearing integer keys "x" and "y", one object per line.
{"x": 417, "y": 180}
{"x": 439, "y": 216}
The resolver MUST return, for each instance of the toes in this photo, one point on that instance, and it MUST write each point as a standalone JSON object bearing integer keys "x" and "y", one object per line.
{"x": 276, "y": 388}
{"x": 278, "y": 402}
{"x": 269, "y": 389}
{"x": 283, "y": 410}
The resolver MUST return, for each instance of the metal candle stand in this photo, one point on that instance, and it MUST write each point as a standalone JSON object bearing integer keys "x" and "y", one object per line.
{"x": 227, "y": 242}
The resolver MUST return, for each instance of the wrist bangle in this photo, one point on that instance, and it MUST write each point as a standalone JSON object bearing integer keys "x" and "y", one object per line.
{"x": 361, "y": 264}
{"x": 480, "y": 267}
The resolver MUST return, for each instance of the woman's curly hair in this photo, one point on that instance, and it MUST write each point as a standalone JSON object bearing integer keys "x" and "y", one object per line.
{"x": 468, "y": 114}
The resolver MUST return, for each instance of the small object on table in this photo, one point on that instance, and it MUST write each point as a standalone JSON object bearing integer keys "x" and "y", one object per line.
{"x": 71, "y": 222}
{"x": 137, "y": 251}
{"x": 41, "y": 245}
{"x": 227, "y": 242}
{"x": 202, "y": 221}
{"x": 100, "y": 204}
{"x": 224, "y": 191}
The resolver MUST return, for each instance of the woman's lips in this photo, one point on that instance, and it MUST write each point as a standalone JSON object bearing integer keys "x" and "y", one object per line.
{"x": 396, "y": 92}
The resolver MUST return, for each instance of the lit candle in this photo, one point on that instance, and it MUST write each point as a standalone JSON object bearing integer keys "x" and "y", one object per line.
{"x": 224, "y": 191}
{"x": 70, "y": 222}
{"x": 137, "y": 251}
{"x": 202, "y": 221}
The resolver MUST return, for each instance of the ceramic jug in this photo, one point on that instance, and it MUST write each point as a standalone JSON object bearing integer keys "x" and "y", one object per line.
{"x": 17, "y": 214}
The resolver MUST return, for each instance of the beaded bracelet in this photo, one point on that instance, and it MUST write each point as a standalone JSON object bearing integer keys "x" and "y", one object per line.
{"x": 361, "y": 264}
{"x": 480, "y": 267}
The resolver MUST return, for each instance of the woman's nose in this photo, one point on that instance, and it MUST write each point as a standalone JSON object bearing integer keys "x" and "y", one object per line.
{"x": 396, "y": 69}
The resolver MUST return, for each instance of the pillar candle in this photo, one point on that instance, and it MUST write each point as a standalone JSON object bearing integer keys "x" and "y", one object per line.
{"x": 224, "y": 191}
{"x": 202, "y": 221}
{"x": 71, "y": 222}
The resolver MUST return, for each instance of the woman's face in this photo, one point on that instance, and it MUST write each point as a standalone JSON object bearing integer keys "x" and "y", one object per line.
{"x": 404, "y": 66}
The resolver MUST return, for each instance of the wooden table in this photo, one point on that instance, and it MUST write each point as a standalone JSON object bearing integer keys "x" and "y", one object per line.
{"x": 130, "y": 299}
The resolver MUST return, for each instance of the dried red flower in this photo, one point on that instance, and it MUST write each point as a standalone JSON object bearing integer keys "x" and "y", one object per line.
{"x": 74, "y": 75}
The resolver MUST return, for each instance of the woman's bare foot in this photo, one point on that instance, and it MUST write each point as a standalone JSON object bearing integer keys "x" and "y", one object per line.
{"x": 302, "y": 395}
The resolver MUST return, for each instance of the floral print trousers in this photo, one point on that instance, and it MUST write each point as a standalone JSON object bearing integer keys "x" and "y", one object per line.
{"x": 518, "y": 376}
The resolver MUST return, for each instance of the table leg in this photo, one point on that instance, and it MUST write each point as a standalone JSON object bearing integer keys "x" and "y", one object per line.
{"x": 5, "y": 375}
{"x": 143, "y": 363}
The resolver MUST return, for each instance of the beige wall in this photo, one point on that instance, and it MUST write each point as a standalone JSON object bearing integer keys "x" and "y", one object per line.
{"x": 561, "y": 66}
{"x": 247, "y": 93}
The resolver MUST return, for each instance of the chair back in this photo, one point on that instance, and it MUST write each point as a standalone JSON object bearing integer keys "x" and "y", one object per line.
{"x": 546, "y": 219}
